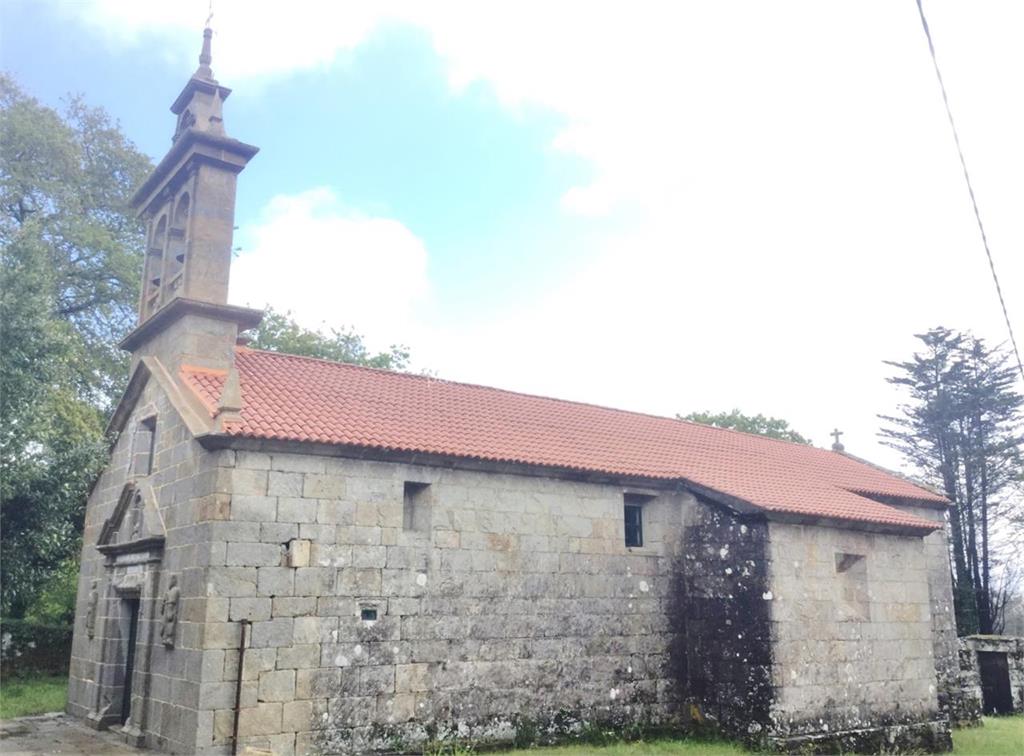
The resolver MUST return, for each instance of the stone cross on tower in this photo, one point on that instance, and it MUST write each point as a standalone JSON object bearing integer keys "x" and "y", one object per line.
{"x": 836, "y": 445}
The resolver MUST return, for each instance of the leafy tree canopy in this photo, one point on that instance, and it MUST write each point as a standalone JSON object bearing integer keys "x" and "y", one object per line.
{"x": 66, "y": 180}
{"x": 760, "y": 425}
{"x": 69, "y": 276}
{"x": 280, "y": 333}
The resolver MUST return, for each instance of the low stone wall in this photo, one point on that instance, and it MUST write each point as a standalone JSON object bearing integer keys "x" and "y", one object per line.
{"x": 968, "y": 713}
{"x": 971, "y": 674}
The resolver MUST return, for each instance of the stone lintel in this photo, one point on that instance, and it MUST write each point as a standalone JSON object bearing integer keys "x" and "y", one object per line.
{"x": 151, "y": 547}
{"x": 997, "y": 643}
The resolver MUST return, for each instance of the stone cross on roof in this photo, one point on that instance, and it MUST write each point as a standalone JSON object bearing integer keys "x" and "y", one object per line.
{"x": 836, "y": 445}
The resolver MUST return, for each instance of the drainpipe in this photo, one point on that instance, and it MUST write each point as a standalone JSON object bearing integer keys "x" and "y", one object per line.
{"x": 243, "y": 640}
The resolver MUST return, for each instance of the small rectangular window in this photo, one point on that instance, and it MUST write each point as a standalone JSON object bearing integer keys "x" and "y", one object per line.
{"x": 634, "y": 521}
{"x": 368, "y": 614}
{"x": 853, "y": 601}
{"x": 416, "y": 507}
{"x": 850, "y": 563}
{"x": 143, "y": 447}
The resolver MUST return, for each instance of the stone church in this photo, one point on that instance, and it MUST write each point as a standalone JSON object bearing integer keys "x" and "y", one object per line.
{"x": 302, "y": 556}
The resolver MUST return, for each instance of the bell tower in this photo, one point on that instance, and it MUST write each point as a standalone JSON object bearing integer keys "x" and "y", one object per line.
{"x": 188, "y": 205}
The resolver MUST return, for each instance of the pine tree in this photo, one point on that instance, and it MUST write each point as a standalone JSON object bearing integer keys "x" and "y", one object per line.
{"x": 961, "y": 430}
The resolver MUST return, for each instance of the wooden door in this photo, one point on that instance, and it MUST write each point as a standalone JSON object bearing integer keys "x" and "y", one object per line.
{"x": 996, "y": 697}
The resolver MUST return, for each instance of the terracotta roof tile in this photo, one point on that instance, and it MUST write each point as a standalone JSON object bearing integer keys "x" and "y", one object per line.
{"x": 302, "y": 399}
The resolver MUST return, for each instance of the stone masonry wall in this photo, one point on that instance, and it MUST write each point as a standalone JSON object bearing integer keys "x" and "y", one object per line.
{"x": 182, "y": 472}
{"x": 517, "y": 612}
{"x": 507, "y": 608}
{"x": 952, "y": 702}
{"x": 945, "y": 646}
{"x": 852, "y": 635}
{"x": 724, "y": 611}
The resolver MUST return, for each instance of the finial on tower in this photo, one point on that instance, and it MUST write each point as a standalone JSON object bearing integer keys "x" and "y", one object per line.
{"x": 205, "y": 57}
{"x": 836, "y": 446}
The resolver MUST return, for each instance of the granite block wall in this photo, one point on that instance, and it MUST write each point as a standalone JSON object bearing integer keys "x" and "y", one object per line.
{"x": 165, "y": 685}
{"x": 723, "y": 613}
{"x": 508, "y": 605}
{"x": 852, "y": 628}
{"x": 944, "y": 639}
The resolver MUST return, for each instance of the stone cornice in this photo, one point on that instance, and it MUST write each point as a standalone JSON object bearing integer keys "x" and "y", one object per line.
{"x": 193, "y": 84}
{"x": 193, "y": 144}
{"x": 244, "y": 317}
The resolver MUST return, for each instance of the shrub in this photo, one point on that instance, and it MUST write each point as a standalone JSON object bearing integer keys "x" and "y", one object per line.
{"x": 31, "y": 648}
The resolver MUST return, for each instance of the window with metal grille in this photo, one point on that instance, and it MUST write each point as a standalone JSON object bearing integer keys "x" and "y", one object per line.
{"x": 634, "y": 521}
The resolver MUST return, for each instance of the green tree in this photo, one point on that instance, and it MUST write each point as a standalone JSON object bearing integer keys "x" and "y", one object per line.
{"x": 70, "y": 254}
{"x": 962, "y": 430}
{"x": 760, "y": 425}
{"x": 280, "y": 333}
{"x": 66, "y": 181}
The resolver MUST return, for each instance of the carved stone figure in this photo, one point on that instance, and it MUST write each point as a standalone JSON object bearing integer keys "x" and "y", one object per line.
{"x": 135, "y": 518}
{"x": 90, "y": 614}
{"x": 169, "y": 612}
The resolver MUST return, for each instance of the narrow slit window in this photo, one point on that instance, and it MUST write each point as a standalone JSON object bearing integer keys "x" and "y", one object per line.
{"x": 143, "y": 447}
{"x": 416, "y": 507}
{"x": 634, "y": 521}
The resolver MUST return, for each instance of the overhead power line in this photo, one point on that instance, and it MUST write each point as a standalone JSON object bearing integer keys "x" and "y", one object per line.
{"x": 970, "y": 187}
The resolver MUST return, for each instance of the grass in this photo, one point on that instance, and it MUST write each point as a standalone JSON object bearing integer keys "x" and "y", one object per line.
{"x": 23, "y": 696}
{"x": 999, "y": 736}
{"x": 650, "y": 748}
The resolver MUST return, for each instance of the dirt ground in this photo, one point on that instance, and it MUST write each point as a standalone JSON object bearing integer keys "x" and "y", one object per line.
{"x": 57, "y": 734}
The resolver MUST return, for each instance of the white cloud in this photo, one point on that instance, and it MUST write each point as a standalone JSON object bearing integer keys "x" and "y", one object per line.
{"x": 253, "y": 39}
{"x": 331, "y": 266}
{"x": 798, "y": 208}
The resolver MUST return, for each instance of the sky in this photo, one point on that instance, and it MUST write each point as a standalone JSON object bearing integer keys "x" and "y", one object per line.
{"x": 662, "y": 207}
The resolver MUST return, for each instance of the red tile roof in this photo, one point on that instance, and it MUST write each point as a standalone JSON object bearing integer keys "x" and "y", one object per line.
{"x": 302, "y": 399}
